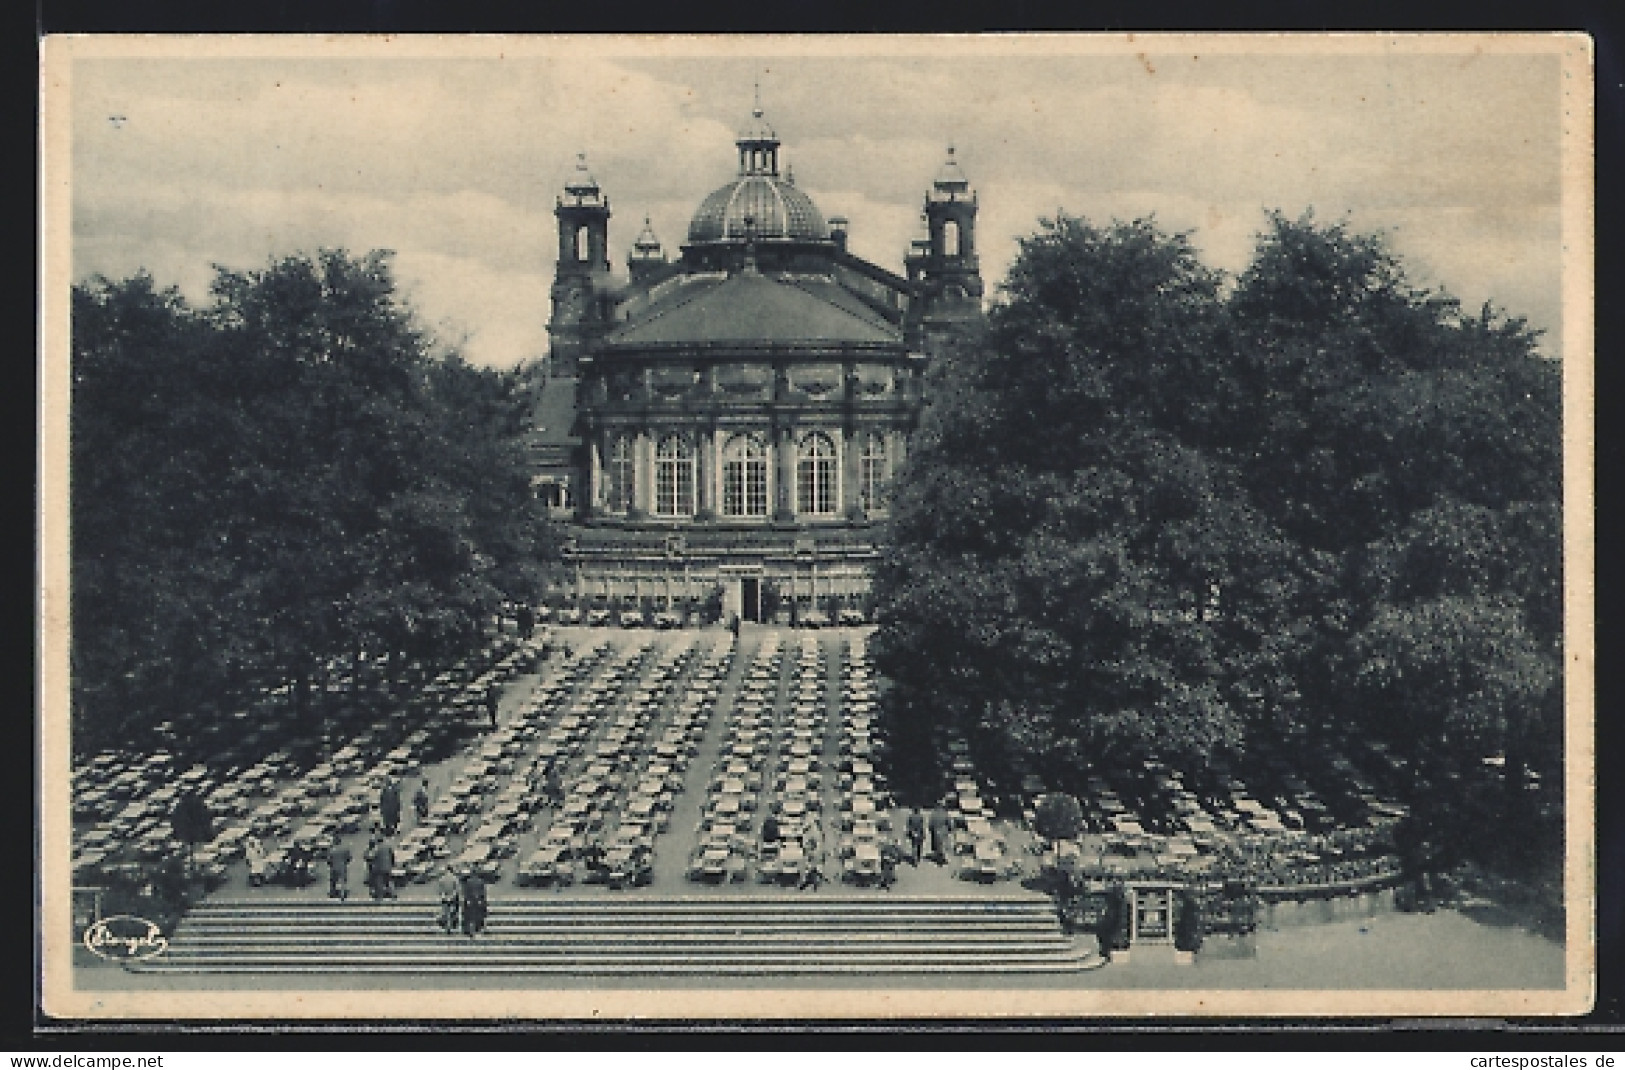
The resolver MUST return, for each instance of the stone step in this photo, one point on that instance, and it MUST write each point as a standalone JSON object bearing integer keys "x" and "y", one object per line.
{"x": 480, "y": 955}
{"x": 643, "y": 967}
{"x": 684, "y": 936}
{"x": 397, "y": 939}
{"x": 814, "y": 903}
{"x": 587, "y": 921}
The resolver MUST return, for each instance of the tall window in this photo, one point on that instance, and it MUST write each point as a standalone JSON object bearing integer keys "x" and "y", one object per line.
{"x": 873, "y": 471}
{"x": 674, "y": 477}
{"x": 583, "y": 249}
{"x": 744, "y": 476}
{"x": 950, "y": 238}
{"x": 619, "y": 475}
{"x": 815, "y": 476}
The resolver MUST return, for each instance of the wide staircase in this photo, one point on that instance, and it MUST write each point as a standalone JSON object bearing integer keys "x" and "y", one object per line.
{"x": 542, "y": 935}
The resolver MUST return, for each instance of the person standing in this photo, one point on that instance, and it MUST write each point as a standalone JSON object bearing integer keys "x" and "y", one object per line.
{"x": 475, "y": 903}
{"x": 890, "y": 855}
{"x": 493, "y": 699}
{"x": 254, "y": 852}
{"x": 940, "y": 834}
{"x": 420, "y": 800}
{"x": 381, "y": 870}
{"x": 338, "y": 871}
{"x": 451, "y": 890}
{"x": 369, "y": 861}
{"x": 916, "y": 833}
{"x": 389, "y": 806}
{"x": 812, "y": 872}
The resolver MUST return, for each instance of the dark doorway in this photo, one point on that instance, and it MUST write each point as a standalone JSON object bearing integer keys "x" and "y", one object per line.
{"x": 750, "y": 598}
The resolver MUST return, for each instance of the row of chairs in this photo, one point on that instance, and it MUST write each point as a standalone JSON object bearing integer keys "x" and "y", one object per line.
{"x": 607, "y": 825}
{"x": 725, "y": 838}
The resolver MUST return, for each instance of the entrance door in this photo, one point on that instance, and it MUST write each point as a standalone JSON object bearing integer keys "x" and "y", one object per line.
{"x": 1153, "y": 914}
{"x": 750, "y": 594}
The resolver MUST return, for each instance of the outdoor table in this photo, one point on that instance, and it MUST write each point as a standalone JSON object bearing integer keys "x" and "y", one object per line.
{"x": 862, "y": 805}
{"x": 799, "y": 767}
{"x": 791, "y": 858}
{"x": 865, "y": 862}
{"x": 726, "y": 804}
{"x": 795, "y": 806}
{"x": 864, "y": 831}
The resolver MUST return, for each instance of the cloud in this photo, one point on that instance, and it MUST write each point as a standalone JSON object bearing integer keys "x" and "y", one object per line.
{"x": 454, "y": 163}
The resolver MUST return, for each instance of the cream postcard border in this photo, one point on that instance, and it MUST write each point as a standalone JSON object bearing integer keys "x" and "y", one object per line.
{"x": 59, "y": 997}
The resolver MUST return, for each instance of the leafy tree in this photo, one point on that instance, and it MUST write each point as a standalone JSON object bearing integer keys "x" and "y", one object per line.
{"x": 281, "y": 481}
{"x": 1418, "y": 450}
{"x": 1144, "y": 514}
{"x": 1061, "y": 543}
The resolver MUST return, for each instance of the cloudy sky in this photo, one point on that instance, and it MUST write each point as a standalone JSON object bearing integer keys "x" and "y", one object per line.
{"x": 183, "y": 161}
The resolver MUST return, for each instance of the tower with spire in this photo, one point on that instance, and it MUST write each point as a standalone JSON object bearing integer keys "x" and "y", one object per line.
{"x": 943, "y": 264}
{"x": 581, "y": 274}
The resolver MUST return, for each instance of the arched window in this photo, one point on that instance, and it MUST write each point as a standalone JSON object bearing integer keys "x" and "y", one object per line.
{"x": 874, "y": 471}
{"x": 744, "y": 476}
{"x": 583, "y": 249}
{"x": 620, "y": 473}
{"x": 815, "y": 476}
{"x": 950, "y": 238}
{"x": 674, "y": 477}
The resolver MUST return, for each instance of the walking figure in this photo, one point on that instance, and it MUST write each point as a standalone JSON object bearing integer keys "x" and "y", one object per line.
{"x": 474, "y": 902}
{"x": 940, "y": 833}
{"x": 916, "y": 833}
{"x": 450, "y": 889}
{"x": 338, "y": 871}
{"x": 420, "y": 801}
{"x": 389, "y": 806}
{"x": 493, "y": 698}
{"x": 381, "y": 869}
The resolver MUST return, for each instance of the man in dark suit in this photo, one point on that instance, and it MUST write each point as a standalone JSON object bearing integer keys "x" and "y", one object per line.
{"x": 941, "y": 831}
{"x": 475, "y": 903}
{"x": 916, "y": 833}
{"x": 381, "y": 871}
{"x": 389, "y": 806}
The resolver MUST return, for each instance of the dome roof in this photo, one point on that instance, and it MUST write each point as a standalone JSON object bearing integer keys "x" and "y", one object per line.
{"x": 773, "y": 207}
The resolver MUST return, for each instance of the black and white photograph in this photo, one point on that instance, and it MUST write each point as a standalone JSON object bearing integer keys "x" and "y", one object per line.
{"x": 888, "y": 527}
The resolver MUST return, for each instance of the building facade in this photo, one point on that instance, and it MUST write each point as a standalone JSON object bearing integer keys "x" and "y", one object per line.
{"x": 737, "y": 414}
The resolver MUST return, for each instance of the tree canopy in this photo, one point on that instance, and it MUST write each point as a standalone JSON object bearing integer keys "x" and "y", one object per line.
{"x": 1151, "y": 511}
{"x": 288, "y": 475}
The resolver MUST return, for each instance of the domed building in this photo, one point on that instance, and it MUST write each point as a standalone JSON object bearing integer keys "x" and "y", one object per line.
{"x": 730, "y": 421}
